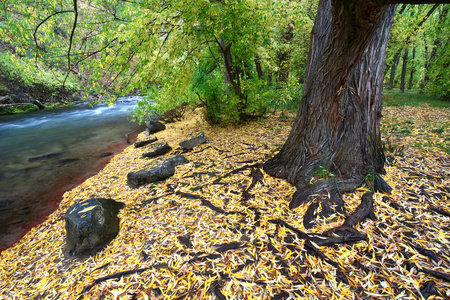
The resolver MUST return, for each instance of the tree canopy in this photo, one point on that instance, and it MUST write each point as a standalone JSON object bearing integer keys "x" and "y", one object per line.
{"x": 236, "y": 58}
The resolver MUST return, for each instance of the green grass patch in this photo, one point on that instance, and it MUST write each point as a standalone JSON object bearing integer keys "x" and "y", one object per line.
{"x": 412, "y": 98}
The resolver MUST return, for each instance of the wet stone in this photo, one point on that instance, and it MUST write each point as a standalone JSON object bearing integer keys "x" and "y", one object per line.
{"x": 44, "y": 156}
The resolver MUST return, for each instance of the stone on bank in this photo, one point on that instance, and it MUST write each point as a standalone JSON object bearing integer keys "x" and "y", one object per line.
{"x": 193, "y": 140}
{"x": 158, "y": 169}
{"x": 153, "y": 126}
{"x": 91, "y": 224}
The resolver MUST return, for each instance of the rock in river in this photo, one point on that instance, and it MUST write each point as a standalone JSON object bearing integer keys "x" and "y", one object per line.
{"x": 91, "y": 224}
{"x": 44, "y": 156}
{"x": 159, "y": 169}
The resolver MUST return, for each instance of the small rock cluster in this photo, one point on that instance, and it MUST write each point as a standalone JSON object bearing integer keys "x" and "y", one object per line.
{"x": 162, "y": 167}
{"x": 92, "y": 224}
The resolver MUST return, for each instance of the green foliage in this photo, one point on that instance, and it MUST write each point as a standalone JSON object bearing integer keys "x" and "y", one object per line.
{"x": 412, "y": 98}
{"x": 19, "y": 109}
{"x": 440, "y": 73}
{"x": 183, "y": 60}
{"x": 242, "y": 50}
{"x": 323, "y": 173}
{"x": 428, "y": 36}
{"x": 30, "y": 74}
{"x": 3, "y": 89}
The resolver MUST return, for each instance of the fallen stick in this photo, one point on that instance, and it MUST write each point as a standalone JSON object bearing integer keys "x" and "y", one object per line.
{"x": 436, "y": 274}
{"x": 120, "y": 275}
{"x": 439, "y": 211}
{"x": 209, "y": 204}
{"x": 238, "y": 170}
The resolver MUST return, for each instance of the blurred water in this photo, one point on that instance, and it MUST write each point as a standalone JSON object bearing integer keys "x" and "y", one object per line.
{"x": 75, "y": 141}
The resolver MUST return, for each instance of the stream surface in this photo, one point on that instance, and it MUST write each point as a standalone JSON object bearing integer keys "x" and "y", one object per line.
{"x": 45, "y": 153}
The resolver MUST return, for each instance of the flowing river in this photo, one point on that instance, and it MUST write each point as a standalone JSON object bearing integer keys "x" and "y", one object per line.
{"x": 45, "y": 153}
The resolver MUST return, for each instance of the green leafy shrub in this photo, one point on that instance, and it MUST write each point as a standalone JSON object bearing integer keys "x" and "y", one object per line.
{"x": 3, "y": 90}
{"x": 30, "y": 74}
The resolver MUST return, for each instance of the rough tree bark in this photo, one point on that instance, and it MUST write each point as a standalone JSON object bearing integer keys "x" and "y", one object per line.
{"x": 337, "y": 126}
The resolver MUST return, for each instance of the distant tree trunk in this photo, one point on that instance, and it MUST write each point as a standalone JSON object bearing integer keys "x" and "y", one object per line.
{"x": 284, "y": 55}
{"x": 413, "y": 69}
{"x": 232, "y": 71}
{"x": 258, "y": 67}
{"x": 407, "y": 40}
{"x": 337, "y": 126}
{"x": 394, "y": 65}
{"x": 227, "y": 61}
{"x": 426, "y": 78}
{"x": 436, "y": 45}
{"x": 403, "y": 76}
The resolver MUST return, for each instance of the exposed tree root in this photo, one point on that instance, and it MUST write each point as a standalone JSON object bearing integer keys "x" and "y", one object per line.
{"x": 257, "y": 176}
{"x": 346, "y": 233}
{"x": 308, "y": 244}
{"x": 381, "y": 185}
{"x": 330, "y": 203}
{"x": 208, "y": 204}
{"x": 363, "y": 211}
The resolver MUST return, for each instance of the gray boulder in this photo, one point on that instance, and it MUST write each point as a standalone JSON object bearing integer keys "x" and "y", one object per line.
{"x": 91, "y": 224}
{"x": 153, "y": 126}
{"x": 143, "y": 143}
{"x": 193, "y": 140}
{"x": 157, "y": 149}
{"x": 159, "y": 169}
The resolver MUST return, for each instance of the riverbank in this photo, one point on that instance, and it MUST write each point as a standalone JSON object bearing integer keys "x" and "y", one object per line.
{"x": 73, "y": 144}
{"x": 171, "y": 245}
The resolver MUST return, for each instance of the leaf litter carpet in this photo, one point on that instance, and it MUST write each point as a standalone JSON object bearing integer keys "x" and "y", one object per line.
{"x": 209, "y": 231}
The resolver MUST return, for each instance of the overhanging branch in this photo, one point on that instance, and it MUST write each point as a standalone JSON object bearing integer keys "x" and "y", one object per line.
{"x": 75, "y": 8}
{"x": 41, "y": 23}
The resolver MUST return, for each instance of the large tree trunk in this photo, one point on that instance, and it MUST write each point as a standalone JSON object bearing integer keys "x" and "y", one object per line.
{"x": 337, "y": 126}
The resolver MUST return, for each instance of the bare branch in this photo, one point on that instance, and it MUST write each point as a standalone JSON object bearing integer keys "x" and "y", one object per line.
{"x": 41, "y": 23}
{"x": 75, "y": 8}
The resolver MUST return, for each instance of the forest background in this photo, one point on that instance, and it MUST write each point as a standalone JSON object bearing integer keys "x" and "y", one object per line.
{"x": 236, "y": 59}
